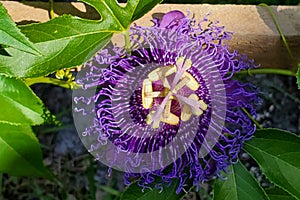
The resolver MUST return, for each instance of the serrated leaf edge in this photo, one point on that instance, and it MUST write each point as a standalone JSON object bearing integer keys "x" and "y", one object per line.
{"x": 29, "y": 44}
{"x": 263, "y": 170}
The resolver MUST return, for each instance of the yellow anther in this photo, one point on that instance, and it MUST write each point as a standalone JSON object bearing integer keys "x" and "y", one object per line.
{"x": 203, "y": 105}
{"x": 181, "y": 78}
{"x": 170, "y": 70}
{"x": 183, "y": 63}
{"x": 167, "y": 116}
{"x": 186, "y": 112}
{"x": 167, "y": 109}
{"x": 171, "y": 119}
{"x": 180, "y": 85}
{"x": 155, "y": 74}
{"x": 153, "y": 94}
{"x": 161, "y": 72}
{"x": 197, "y": 111}
{"x": 192, "y": 84}
{"x": 147, "y": 88}
{"x": 168, "y": 119}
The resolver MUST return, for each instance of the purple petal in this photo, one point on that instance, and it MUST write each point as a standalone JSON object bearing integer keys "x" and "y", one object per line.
{"x": 171, "y": 19}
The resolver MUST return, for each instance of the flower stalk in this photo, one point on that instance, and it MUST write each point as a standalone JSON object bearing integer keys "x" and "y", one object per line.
{"x": 53, "y": 81}
{"x": 252, "y": 72}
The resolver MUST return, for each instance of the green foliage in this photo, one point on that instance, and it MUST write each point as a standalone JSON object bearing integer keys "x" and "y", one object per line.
{"x": 135, "y": 192}
{"x": 240, "y": 185}
{"x": 278, "y": 154}
{"x": 277, "y": 193}
{"x": 11, "y": 36}
{"x": 19, "y": 105}
{"x": 63, "y": 42}
{"x": 20, "y": 153}
{"x": 67, "y": 41}
{"x": 36, "y": 50}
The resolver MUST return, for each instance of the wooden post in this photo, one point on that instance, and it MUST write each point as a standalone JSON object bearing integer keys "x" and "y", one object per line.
{"x": 255, "y": 33}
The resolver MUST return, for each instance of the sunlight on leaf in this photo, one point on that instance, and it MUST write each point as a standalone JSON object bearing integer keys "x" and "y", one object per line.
{"x": 67, "y": 41}
{"x": 11, "y": 36}
{"x": 19, "y": 105}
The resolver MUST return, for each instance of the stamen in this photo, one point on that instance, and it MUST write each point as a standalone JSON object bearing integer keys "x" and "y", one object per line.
{"x": 197, "y": 107}
{"x": 167, "y": 109}
{"x": 147, "y": 88}
{"x": 161, "y": 74}
{"x": 182, "y": 65}
{"x": 180, "y": 85}
{"x": 186, "y": 112}
{"x": 154, "y": 94}
{"x": 189, "y": 106}
{"x": 192, "y": 84}
{"x": 172, "y": 119}
{"x": 155, "y": 116}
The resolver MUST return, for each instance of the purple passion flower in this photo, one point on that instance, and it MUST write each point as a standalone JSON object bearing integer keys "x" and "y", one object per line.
{"x": 170, "y": 109}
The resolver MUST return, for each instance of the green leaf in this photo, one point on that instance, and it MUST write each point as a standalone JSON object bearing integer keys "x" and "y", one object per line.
{"x": 277, "y": 193}
{"x": 240, "y": 185}
{"x": 135, "y": 192}
{"x": 141, "y": 7}
{"x": 20, "y": 153}
{"x": 298, "y": 76}
{"x": 58, "y": 54}
{"x": 67, "y": 41}
{"x": 11, "y": 36}
{"x": 278, "y": 154}
{"x": 19, "y": 105}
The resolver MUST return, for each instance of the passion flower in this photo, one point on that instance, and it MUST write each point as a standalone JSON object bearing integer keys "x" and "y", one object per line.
{"x": 170, "y": 109}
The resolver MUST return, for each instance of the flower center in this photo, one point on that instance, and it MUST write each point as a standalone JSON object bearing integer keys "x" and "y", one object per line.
{"x": 175, "y": 81}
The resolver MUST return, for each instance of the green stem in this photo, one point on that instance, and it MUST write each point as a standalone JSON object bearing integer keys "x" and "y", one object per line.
{"x": 127, "y": 41}
{"x": 252, "y": 119}
{"x": 51, "y": 12}
{"x": 267, "y": 71}
{"x": 54, "y": 81}
{"x": 278, "y": 28}
{"x": 110, "y": 190}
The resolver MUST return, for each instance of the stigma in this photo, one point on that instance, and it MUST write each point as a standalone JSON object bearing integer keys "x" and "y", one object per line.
{"x": 173, "y": 78}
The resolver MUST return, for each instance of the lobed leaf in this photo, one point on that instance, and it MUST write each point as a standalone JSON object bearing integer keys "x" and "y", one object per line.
{"x": 20, "y": 153}
{"x": 278, "y": 154}
{"x": 240, "y": 185}
{"x": 11, "y": 36}
{"x": 67, "y": 41}
{"x": 19, "y": 105}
